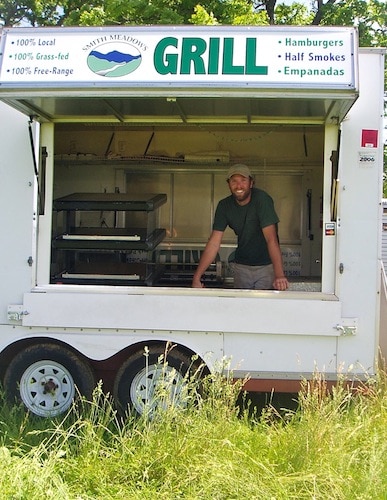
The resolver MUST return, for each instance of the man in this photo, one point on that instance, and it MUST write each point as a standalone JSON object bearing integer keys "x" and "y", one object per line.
{"x": 250, "y": 213}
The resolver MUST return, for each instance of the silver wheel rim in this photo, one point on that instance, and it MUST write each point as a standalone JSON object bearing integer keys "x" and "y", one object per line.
{"x": 47, "y": 388}
{"x": 157, "y": 387}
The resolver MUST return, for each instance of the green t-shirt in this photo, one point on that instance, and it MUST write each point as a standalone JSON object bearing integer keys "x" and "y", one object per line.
{"x": 247, "y": 222}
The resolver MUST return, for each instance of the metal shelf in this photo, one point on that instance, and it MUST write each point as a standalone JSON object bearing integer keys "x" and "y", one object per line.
{"x": 86, "y": 254}
{"x": 77, "y": 242}
{"x": 110, "y": 201}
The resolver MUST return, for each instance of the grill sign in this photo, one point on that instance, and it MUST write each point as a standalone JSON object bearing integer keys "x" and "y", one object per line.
{"x": 182, "y": 56}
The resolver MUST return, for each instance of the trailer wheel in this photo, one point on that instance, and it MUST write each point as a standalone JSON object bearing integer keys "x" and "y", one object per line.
{"x": 47, "y": 378}
{"x": 150, "y": 380}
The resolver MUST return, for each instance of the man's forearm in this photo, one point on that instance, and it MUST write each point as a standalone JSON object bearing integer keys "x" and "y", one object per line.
{"x": 280, "y": 280}
{"x": 206, "y": 260}
{"x": 208, "y": 256}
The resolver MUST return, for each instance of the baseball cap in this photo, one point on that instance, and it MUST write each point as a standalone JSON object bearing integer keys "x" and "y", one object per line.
{"x": 239, "y": 169}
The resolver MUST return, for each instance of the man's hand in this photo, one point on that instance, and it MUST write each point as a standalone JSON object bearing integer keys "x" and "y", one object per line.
{"x": 281, "y": 283}
{"x": 196, "y": 283}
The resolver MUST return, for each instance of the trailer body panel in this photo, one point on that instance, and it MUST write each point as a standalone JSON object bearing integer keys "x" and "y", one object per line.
{"x": 113, "y": 181}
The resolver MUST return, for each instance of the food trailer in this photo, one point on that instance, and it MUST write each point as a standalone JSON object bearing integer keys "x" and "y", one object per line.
{"x": 116, "y": 144}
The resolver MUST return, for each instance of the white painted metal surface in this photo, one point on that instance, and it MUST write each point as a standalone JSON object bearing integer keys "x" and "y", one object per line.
{"x": 18, "y": 217}
{"x": 285, "y": 334}
{"x": 359, "y": 215}
{"x": 384, "y": 232}
{"x": 253, "y": 313}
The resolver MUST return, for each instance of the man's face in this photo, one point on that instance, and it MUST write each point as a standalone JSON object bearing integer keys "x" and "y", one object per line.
{"x": 240, "y": 188}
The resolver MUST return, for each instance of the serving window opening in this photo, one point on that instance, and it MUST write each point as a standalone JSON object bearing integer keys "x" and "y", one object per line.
{"x": 134, "y": 205}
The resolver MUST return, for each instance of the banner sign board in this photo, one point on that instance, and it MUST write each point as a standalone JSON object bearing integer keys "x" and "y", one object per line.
{"x": 271, "y": 57}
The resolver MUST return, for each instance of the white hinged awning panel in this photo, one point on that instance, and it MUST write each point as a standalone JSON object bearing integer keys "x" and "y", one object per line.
{"x": 142, "y": 75}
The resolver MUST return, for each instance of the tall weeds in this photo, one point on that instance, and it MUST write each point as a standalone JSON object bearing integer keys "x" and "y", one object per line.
{"x": 334, "y": 445}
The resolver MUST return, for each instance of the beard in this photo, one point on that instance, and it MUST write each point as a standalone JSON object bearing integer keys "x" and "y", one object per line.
{"x": 242, "y": 196}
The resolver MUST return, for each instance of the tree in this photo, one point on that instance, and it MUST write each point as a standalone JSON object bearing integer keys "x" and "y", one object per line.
{"x": 29, "y": 12}
{"x": 10, "y": 13}
{"x": 370, "y": 17}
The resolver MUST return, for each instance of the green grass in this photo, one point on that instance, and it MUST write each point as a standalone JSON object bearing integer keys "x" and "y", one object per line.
{"x": 331, "y": 447}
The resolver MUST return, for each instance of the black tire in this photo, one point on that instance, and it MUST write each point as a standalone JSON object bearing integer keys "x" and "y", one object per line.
{"x": 47, "y": 378}
{"x": 147, "y": 381}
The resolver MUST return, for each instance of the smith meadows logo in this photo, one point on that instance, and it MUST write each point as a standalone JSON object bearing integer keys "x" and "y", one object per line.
{"x": 113, "y": 62}
{"x": 119, "y": 55}
{"x": 114, "y": 56}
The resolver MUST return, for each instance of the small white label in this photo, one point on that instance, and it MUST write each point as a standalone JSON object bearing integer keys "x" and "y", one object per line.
{"x": 367, "y": 159}
{"x": 330, "y": 229}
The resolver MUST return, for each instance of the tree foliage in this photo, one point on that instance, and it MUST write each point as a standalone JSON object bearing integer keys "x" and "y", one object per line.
{"x": 368, "y": 15}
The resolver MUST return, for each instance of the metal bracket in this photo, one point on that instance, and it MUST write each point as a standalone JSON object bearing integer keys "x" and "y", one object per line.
{"x": 16, "y": 313}
{"x": 348, "y": 326}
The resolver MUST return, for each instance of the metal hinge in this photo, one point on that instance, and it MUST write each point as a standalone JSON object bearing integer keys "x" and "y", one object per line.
{"x": 348, "y": 326}
{"x": 16, "y": 313}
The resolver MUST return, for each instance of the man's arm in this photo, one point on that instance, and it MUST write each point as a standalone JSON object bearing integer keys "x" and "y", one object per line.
{"x": 270, "y": 234}
{"x": 207, "y": 257}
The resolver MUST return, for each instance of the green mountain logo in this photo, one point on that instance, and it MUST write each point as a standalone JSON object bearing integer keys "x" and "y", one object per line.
{"x": 121, "y": 61}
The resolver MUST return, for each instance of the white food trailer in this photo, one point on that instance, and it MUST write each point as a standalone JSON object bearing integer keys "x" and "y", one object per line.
{"x": 115, "y": 145}
{"x": 384, "y": 233}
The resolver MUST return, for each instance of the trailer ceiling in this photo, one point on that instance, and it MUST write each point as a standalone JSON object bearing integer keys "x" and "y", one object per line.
{"x": 218, "y": 108}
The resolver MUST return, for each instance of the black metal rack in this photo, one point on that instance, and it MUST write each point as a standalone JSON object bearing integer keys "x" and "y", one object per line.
{"x": 104, "y": 255}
